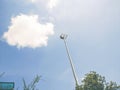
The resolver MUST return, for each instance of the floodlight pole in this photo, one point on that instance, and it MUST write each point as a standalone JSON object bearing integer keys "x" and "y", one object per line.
{"x": 63, "y": 37}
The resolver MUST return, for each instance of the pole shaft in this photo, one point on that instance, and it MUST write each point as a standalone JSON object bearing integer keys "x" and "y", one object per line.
{"x": 71, "y": 63}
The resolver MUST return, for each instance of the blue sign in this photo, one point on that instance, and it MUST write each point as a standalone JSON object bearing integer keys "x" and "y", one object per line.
{"x": 6, "y": 85}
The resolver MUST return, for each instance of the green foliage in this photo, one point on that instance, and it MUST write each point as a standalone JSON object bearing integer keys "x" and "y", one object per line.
{"x": 112, "y": 86}
{"x": 94, "y": 81}
{"x": 79, "y": 87}
{"x": 32, "y": 85}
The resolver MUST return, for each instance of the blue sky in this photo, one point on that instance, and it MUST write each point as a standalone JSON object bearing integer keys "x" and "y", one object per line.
{"x": 30, "y": 44}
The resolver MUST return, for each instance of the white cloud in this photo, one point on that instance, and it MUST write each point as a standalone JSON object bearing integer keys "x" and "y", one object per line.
{"x": 26, "y": 31}
{"x": 75, "y": 10}
{"x": 33, "y": 1}
{"x": 50, "y": 4}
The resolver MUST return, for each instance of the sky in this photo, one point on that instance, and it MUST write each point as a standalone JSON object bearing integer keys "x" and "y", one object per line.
{"x": 30, "y": 43}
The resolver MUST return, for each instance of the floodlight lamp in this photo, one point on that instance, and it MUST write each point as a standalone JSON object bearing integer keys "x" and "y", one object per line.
{"x": 63, "y": 36}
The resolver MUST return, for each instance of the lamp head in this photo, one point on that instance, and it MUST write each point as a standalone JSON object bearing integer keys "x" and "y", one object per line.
{"x": 63, "y": 36}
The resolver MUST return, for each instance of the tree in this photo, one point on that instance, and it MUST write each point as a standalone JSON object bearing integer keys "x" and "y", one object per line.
{"x": 112, "y": 86}
{"x": 94, "y": 81}
{"x": 32, "y": 85}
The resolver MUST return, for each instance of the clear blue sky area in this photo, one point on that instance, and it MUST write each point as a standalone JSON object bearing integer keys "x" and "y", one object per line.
{"x": 30, "y": 43}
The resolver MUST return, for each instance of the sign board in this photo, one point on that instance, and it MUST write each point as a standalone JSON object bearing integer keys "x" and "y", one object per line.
{"x": 6, "y": 85}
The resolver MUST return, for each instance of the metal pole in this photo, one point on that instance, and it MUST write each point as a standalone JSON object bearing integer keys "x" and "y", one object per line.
{"x": 64, "y": 36}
